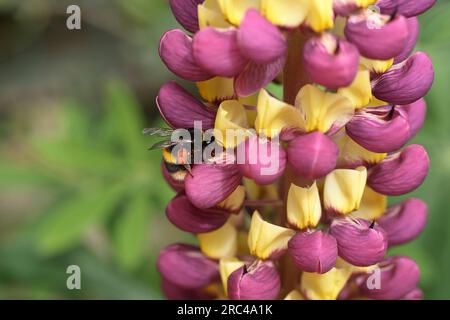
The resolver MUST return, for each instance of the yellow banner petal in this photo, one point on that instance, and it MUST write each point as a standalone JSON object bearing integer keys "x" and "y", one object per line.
{"x": 377, "y": 66}
{"x": 275, "y": 115}
{"x": 320, "y": 109}
{"x": 325, "y": 286}
{"x": 227, "y": 266}
{"x": 360, "y": 91}
{"x": 286, "y": 13}
{"x": 235, "y": 201}
{"x": 216, "y": 89}
{"x": 343, "y": 189}
{"x": 303, "y": 206}
{"x": 231, "y": 124}
{"x": 234, "y": 10}
{"x": 352, "y": 153}
{"x": 294, "y": 295}
{"x": 266, "y": 239}
{"x": 321, "y": 15}
{"x": 373, "y": 205}
{"x": 221, "y": 243}
{"x": 210, "y": 15}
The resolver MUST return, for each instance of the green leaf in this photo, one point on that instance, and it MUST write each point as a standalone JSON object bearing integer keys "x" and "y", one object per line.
{"x": 123, "y": 122}
{"x": 131, "y": 232}
{"x": 64, "y": 227}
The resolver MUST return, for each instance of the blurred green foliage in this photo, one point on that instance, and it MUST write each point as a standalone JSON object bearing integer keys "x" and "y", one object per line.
{"x": 77, "y": 185}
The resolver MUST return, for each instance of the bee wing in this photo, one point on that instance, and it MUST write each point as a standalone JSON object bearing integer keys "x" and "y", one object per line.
{"x": 162, "y": 145}
{"x": 159, "y": 132}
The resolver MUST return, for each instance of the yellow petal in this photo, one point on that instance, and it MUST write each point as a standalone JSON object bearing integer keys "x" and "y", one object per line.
{"x": 231, "y": 124}
{"x": 210, "y": 15}
{"x": 266, "y": 239}
{"x": 373, "y": 205}
{"x": 286, "y": 13}
{"x": 303, "y": 206}
{"x": 325, "y": 286}
{"x": 259, "y": 192}
{"x": 321, "y": 15}
{"x": 228, "y": 266}
{"x": 351, "y": 152}
{"x": 216, "y": 89}
{"x": 235, "y": 201}
{"x": 377, "y": 66}
{"x": 360, "y": 91}
{"x": 234, "y": 10}
{"x": 294, "y": 295}
{"x": 321, "y": 110}
{"x": 374, "y": 102}
{"x": 251, "y": 113}
{"x": 275, "y": 115}
{"x": 342, "y": 264}
{"x": 221, "y": 243}
{"x": 343, "y": 189}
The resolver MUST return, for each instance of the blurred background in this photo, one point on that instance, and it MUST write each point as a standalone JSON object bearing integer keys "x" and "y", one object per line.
{"x": 77, "y": 186}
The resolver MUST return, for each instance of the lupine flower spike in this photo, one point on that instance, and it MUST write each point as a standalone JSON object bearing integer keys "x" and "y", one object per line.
{"x": 287, "y": 196}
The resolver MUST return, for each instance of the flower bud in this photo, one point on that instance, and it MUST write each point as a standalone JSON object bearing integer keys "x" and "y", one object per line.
{"x": 330, "y": 61}
{"x": 217, "y": 52}
{"x": 183, "y": 214}
{"x": 359, "y": 242}
{"x": 416, "y": 112}
{"x": 399, "y": 276}
{"x": 180, "y": 109}
{"x": 313, "y": 251}
{"x": 343, "y": 190}
{"x": 267, "y": 240}
{"x": 210, "y": 184}
{"x": 264, "y": 161}
{"x": 175, "y": 49}
{"x": 411, "y": 41}
{"x": 227, "y": 267}
{"x": 186, "y": 267}
{"x": 259, "y": 40}
{"x": 313, "y": 155}
{"x": 406, "y": 82}
{"x": 303, "y": 207}
{"x": 406, "y": 8}
{"x": 186, "y": 13}
{"x": 381, "y": 129}
{"x": 400, "y": 173}
{"x": 258, "y": 281}
{"x": 376, "y": 36}
{"x": 405, "y": 221}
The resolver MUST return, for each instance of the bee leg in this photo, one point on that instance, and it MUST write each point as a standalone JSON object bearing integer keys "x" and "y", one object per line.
{"x": 188, "y": 169}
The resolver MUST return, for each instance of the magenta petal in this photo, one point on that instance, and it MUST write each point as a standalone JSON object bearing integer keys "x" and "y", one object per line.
{"x": 413, "y": 35}
{"x": 313, "y": 251}
{"x": 415, "y": 294}
{"x": 175, "y": 50}
{"x": 405, "y": 221}
{"x": 416, "y": 112}
{"x": 259, "y": 40}
{"x": 174, "y": 292}
{"x": 264, "y": 161}
{"x": 183, "y": 214}
{"x": 313, "y": 155}
{"x": 186, "y": 13}
{"x": 382, "y": 129}
{"x": 257, "y": 76}
{"x": 406, "y": 82}
{"x": 400, "y": 173}
{"x": 377, "y": 42}
{"x": 399, "y": 276}
{"x": 334, "y": 69}
{"x": 217, "y": 51}
{"x": 210, "y": 184}
{"x": 360, "y": 242}
{"x": 407, "y": 8}
{"x": 259, "y": 281}
{"x": 180, "y": 109}
{"x": 186, "y": 267}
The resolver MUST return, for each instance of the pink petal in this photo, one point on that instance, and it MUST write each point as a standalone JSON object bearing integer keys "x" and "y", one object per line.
{"x": 186, "y": 13}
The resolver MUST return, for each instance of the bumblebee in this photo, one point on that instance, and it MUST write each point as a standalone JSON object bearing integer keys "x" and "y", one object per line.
{"x": 178, "y": 156}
